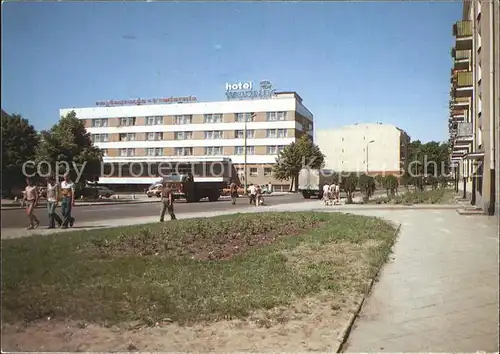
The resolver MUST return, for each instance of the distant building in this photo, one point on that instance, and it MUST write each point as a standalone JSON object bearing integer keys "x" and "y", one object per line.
{"x": 371, "y": 148}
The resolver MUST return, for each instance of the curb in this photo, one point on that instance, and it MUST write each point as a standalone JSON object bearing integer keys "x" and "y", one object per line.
{"x": 89, "y": 204}
{"x": 344, "y": 336}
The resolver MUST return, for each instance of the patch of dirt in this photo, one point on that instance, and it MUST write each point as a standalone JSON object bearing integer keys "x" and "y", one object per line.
{"x": 205, "y": 240}
{"x": 312, "y": 324}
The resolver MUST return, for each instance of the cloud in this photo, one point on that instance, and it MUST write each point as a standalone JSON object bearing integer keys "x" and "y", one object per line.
{"x": 129, "y": 36}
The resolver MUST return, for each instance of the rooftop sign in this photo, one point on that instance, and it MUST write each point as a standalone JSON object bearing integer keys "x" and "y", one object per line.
{"x": 141, "y": 101}
{"x": 246, "y": 90}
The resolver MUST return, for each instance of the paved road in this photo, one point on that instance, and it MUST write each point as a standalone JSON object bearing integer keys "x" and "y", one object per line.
{"x": 17, "y": 217}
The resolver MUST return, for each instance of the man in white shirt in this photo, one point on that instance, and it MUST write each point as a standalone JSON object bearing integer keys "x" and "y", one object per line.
{"x": 67, "y": 200}
{"x": 253, "y": 192}
{"x": 326, "y": 193}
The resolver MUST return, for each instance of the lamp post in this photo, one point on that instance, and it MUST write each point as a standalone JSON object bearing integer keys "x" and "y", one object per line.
{"x": 367, "y": 144}
{"x": 245, "y": 150}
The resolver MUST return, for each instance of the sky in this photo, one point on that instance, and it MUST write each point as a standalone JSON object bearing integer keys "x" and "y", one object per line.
{"x": 351, "y": 62}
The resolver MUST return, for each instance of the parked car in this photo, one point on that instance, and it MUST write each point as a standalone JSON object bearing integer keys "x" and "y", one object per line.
{"x": 154, "y": 191}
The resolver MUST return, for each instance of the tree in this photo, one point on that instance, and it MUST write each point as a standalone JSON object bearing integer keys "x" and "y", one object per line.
{"x": 350, "y": 183}
{"x": 432, "y": 153}
{"x": 19, "y": 143}
{"x": 68, "y": 141}
{"x": 391, "y": 185}
{"x": 299, "y": 154}
{"x": 367, "y": 186}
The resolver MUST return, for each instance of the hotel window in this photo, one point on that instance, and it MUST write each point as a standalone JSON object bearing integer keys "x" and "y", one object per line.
{"x": 215, "y": 134}
{"x": 125, "y": 122}
{"x": 183, "y": 119}
{"x": 155, "y": 152}
{"x": 272, "y": 150}
{"x": 183, "y": 151}
{"x": 183, "y": 135}
{"x": 100, "y": 122}
{"x": 275, "y": 116}
{"x": 242, "y": 117}
{"x": 154, "y": 136}
{"x": 154, "y": 120}
{"x": 268, "y": 171}
{"x": 127, "y": 136}
{"x": 212, "y": 118}
{"x": 277, "y": 133}
{"x": 239, "y": 134}
{"x": 100, "y": 138}
{"x": 254, "y": 172}
{"x": 239, "y": 150}
{"x": 213, "y": 150}
{"x": 280, "y": 148}
{"x": 127, "y": 152}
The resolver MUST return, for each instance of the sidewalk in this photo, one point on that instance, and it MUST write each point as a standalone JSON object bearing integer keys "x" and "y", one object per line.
{"x": 439, "y": 293}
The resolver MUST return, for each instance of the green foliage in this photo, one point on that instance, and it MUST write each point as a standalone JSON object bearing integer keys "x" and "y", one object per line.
{"x": 299, "y": 154}
{"x": 19, "y": 143}
{"x": 435, "y": 154}
{"x": 69, "y": 141}
{"x": 390, "y": 183}
{"x": 349, "y": 182}
{"x": 367, "y": 186}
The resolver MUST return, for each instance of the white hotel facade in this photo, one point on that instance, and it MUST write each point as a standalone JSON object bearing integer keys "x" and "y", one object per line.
{"x": 166, "y": 132}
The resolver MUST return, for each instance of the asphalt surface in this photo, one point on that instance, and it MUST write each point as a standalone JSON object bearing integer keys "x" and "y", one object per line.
{"x": 16, "y": 218}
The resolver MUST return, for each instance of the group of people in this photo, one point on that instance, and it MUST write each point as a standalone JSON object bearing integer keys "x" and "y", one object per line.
{"x": 331, "y": 192}
{"x": 255, "y": 195}
{"x": 63, "y": 192}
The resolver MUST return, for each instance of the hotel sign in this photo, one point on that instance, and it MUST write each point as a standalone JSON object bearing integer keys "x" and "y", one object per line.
{"x": 246, "y": 90}
{"x": 141, "y": 101}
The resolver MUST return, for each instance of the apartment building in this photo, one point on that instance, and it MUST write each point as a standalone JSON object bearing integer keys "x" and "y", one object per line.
{"x": 160, "y": 132}
{"x": 474, "y": 103}
{"x": 371, "y": 148}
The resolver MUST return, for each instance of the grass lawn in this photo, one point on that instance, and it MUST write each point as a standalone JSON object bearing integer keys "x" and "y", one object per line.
{"x": 191, "y": 270}
{"x": 435, "y": 196}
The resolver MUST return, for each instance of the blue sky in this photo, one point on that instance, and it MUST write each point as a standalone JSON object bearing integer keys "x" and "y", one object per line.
{"x": 350, "y": 61}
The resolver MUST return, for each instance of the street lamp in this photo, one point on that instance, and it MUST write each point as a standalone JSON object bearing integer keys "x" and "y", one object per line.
{"x": 245, "y": 149}
{"x": 367, "y": 144}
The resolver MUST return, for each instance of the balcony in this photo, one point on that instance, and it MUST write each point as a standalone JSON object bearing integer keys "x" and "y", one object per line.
{"x": 462, "y": 30}
{"x": 460, "y": 102}
{"x": 463, "y": 83}
{"x": 464, "y": 132}
{"x": 461, "y": 59}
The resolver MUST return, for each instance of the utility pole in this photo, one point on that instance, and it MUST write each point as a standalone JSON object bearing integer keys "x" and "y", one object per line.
{"x": 245, "y": 186}
{"x": 371, "y": 141}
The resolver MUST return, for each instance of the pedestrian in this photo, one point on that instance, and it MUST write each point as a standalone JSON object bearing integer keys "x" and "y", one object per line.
{"x": 252, "y": 189}
{"x": 30, "y": 199}
{"x": 337, "y": 192}
{"x": 52, "y": 201}
{"x": 269, "y": 188}
{"x": 67, "y": 201}
{"x": 258, "y": 195}
{"x": 233, "y": 190}
{"x": 326, "y": 193}
{"x": 167, "y": 202}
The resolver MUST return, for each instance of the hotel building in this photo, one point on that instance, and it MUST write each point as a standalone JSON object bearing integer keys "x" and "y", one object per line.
{"x": 371, "y": 148}
{"x": 160, "y": 132}
{"x": 475, "y": 103}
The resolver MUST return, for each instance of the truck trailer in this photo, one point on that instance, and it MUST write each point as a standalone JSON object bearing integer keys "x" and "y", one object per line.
{"x": 311, "y": 181}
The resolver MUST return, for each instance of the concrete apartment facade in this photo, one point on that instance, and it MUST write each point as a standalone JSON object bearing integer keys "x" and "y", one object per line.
{"x": 372, "y": 148}
{"x": 475, "y": 102}
{"x": 160, "y": 132}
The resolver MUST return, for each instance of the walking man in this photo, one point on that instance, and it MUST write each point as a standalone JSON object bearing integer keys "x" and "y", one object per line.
{"x": 31, "y": 201}
{"x": 67, "y": 201}
{"x": 233, "y": 190}
{"x": 253, "y": 191}
{"x": 52, "y": 200}
{"x": 167, "y": 202}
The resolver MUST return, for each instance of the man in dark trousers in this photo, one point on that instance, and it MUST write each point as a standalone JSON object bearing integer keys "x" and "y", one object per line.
{"x": 167, "y": 202}
{"x": 233, "y": 190}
